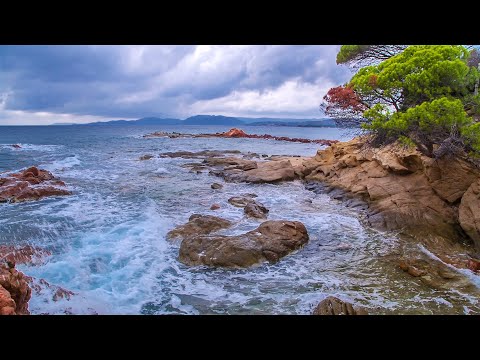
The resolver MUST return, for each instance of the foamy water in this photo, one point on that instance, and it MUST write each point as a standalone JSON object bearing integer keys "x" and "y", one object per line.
{"x": 108, "y": 238}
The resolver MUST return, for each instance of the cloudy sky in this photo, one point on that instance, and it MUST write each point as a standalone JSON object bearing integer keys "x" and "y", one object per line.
{"x": 49, "y": 84}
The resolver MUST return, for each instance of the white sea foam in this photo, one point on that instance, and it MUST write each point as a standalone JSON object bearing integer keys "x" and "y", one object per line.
{"x": 65, "y": 163}
{"x": 31, "y": 147}
{"x": 109, "y": 246}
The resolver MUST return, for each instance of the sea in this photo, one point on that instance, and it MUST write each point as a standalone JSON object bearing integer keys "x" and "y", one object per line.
{"x": 108, "y": 239}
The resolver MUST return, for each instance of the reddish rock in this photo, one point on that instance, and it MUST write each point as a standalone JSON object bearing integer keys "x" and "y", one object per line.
{"x": 7, "y": 304}
{"x": 22, "y": 255}
{"x": 13, "y": 287}
{"x": 41, "y": 286}
{"x": 30, "y": 184}
{"x": 235, "y": 133}
{"x": 473, "y": 265}
{"x": 215, "y": 207}
{"x": 238, "y": 133}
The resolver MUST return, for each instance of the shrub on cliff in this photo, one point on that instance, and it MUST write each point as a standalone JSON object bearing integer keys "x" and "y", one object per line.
{"x": 425, "y": 95}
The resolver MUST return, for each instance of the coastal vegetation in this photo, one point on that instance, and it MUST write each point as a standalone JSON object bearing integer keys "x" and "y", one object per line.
{"x": 423, "y": 95}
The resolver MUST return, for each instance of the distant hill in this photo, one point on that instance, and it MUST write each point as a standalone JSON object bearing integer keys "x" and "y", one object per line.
{"x": 212, "y": 120}
{"x": 217, "y": 120}
{"x": 142, "y": 121}
{"x": 279, "y": 120}
{"x": 313, "y": 123}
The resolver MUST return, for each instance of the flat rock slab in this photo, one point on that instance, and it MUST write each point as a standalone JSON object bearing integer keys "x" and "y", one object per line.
{"x": 199, "y": 225}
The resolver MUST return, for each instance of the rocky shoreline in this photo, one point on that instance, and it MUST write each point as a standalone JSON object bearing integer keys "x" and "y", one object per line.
{"x": 431, "y": 202}
{"x": 15, "y": 287}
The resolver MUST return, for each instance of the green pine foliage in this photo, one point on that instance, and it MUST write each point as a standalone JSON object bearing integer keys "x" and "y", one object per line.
{"x": 424, "y": 95}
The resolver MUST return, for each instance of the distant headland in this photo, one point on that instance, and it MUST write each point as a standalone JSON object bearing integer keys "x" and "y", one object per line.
{"x": 218, "y": 120}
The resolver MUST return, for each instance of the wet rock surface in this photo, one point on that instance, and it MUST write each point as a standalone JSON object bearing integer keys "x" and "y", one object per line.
{"x": 256, "y": 210}
{"x": 30, "y": 184}
{"x": 334, "y": 306}
{"x": 403, "y": 190}
{"x": 14, "y": 291}
{"x": 271, "y": 241}
{"x": 199, "y": 225}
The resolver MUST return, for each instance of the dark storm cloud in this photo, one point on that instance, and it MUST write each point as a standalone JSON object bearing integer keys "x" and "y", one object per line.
{"x": 136, "y": 81}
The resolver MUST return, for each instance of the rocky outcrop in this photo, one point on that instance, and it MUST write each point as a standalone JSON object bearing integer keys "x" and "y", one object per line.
{"x": 22, "y": 255}
{"x": 334, "y": 306}
{"x": 469, "y": 213}
{"x": 43, "y": 287}
{"x": 405, "y": 190}
{"x": 30, "y": 184}
{"x": 271, "y": 241}
{"x": 199, "y": 225}
{"x": 238, "y": 133}
{"x": 14, "y": 291}
{"x": 146, "y": 157}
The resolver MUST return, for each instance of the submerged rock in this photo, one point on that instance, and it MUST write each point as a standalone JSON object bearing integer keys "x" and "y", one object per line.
{"x": 334, "y": 306}
{"x": 271, "y": 241}
{"x": 30, "y": 184}
{"x": 215, "y": 207}
{"x": 216, "y": 186}
{"x": 240, "y": 201}
{"x": 146, "y": 157}
{"x": 256, "y": 210}
{"x": 199, "y": 225}
{"x": 23, "y": 255}
{"x": 434, "y": 273}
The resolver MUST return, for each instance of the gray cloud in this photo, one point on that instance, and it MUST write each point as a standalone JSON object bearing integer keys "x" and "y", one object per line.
{"x": 135, "y": 81}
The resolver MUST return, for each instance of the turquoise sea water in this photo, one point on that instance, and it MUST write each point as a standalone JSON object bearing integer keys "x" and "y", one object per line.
{"x": 108, "y": 238}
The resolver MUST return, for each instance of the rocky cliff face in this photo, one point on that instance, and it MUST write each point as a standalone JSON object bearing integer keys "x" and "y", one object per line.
{"x": 14, "y": 291}
{"x": 407, "y": 192}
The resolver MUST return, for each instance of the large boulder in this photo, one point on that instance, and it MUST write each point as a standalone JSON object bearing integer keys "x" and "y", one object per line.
{"x": 271, "y": 241}
{"x": 199, "y": 225}
{"x": 469, "y": 213}
{"x": 334, "y": 306}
